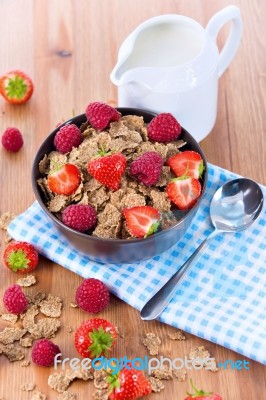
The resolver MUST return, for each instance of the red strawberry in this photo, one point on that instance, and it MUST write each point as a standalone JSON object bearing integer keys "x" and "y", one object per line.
{"x": 95, "y": 337}
{"x": 16, "y": 87}
{"x": 101, "y": 114}
{"x": 201, "y": 395}
{"x": 142, "y": 221}
{"x": 64, "y": 179}
{"x": 184, "y": 192}
{"x": 128, "y": 384}
{"x": 108, "y": 169}
{"x": 21, "y": 257}
{"x": 188, "y": 163}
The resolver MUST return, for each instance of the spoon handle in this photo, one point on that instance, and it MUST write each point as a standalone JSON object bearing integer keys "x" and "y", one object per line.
{"x": 155, "y": 306}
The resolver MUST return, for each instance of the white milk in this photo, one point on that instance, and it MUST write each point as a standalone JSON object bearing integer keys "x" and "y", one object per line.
{"x": 165, "y": 45}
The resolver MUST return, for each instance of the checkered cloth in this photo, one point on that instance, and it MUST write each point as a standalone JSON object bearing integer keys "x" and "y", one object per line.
{"x": 223, "y": 298}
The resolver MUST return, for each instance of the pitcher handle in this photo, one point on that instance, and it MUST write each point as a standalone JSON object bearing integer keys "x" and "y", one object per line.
{"x": 230, "y": 13}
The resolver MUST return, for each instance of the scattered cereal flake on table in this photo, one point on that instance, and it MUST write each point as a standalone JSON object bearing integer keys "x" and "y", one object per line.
{"x": 61, "y": 381}
{"x": 25, "y": 363}
{"x": 29, "y": 280}
{"x": 198, "y": 352}
{"x": 45, "y": 328}
{"x": 180, "y": 374}
{"x": 38, "y": 297}
{"x": 52, "y": 306}
{"x": 100, "y": 379}
{"x": 178, "y": 335}
{"x": 69, "y": 329}
{"x": 67, "y": 396}
{"x": 38, "y": 396}
{"x": 163, "y": 373}
{"x": 211, "y": 365}
{"x": 101, "y": 394}
{"x": 9, "y": 335}
{"x": 5, "y": 219}
{"x": 156, "y": 384}
{"x": 10, "y": 318}
{"x": 28, "y": 317}
{"x": 27, "y": 387}
{"x": 73, "y": 305}
{"x": 26, "y": 342}
{"x": 152, "y": 342}
{"x": 12, "y": 352}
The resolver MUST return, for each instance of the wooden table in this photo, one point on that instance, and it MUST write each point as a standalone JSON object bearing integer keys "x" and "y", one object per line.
{"x": 69, "y": 48}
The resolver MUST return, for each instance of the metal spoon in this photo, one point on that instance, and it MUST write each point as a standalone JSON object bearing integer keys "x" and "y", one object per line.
{"x": 234, "y": 207}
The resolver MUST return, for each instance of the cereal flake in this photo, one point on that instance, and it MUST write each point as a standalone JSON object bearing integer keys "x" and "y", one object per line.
{"x": 156, "y": 384}
{"x": 152, "y": 342}
{"x": 51, "y": 307}
{"x": 29, "y": 280}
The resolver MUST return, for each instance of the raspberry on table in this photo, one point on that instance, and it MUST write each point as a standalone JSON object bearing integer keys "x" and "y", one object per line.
{"x": 15, "y": 300}
{"x": 67, "y": 137}
{"x": 79, "y": 217}
{"x": 101, "y": 114}
{"x": 92, "y": 295}
{"x": 44, "y": 352}
{"x": 12, "y": 140}
{"x": 164, "y": 128}
{"x": 147, "y": 168}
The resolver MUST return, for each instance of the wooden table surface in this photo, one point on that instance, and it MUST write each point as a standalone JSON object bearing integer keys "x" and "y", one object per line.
{"x": 69, "y": 48}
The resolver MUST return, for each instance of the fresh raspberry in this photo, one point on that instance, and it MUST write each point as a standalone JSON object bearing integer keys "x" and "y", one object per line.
{"x": 15, "y": 300}
{"x": 79, "y": 217}
{"x": 44, "y": 352}
{"x": 67, "y": 137}
{"x": 164, "y": 128}
{"x": 92, "y": 295}
{"x": 147, "y": 168}
{"x": 101, "y": 114}
{"x": 12, "y": 140}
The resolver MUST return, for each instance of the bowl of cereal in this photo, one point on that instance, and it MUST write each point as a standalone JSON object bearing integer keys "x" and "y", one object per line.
{"x": 120, "y": 185}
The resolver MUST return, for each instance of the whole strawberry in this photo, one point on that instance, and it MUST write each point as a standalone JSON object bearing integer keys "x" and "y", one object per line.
{"x": 128, "y": 384}
{"x": 12, "y": 140}
{"x": 16, "y": 87}
{"x": 101, "y": 114}
{"x": 201, "y": 395}
{"x": 147, "y": 168}
{"x": 21, "y": 257}
{"x": 44, "y": 352}
{"x": 164, "y": 128}
{"x": 108, "y": 169}
{"x": 79, "y": 217}
{"x": 92, "y": 295}
{"x": 95, "y": 337}
{"x": 15, "y": 300}
{"x": 67, "y": 137}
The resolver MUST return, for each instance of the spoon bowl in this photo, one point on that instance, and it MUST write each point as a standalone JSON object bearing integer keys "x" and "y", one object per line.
{"x": 234, "y": 207}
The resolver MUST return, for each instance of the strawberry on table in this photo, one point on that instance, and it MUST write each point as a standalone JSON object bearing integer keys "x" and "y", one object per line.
{"x": 128, "y": 384}
{"x": 184, "y": 192}
{"x": 64, "y": 179}
{"x": 95, "y": 337}
{"x": 187, "y": 163}
{"x": 201, "y": 395}
{"x": 21, "y": 257}
{"x": 142, "y": 221}
{"x": 16, "y": 87}
{"x": 108, "y": 169}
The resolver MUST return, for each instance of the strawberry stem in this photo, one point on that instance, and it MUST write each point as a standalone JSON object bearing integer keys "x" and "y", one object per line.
{"x": 154, "y": 227}
{"x": 198, "y": 392}
{"x": 17, "y": 260}
{"x": 16, "y": 87}
{"x": 101, "y": 342}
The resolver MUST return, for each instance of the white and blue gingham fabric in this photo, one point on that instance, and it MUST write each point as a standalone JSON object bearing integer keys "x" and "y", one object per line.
{"x": 223, "y": 298}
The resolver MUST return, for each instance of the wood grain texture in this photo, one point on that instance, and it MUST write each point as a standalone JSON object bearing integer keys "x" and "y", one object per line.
{"x": 69, "y": 48}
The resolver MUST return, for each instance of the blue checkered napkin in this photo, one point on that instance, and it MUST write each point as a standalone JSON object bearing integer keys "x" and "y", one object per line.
{"x": 223, "y": 298}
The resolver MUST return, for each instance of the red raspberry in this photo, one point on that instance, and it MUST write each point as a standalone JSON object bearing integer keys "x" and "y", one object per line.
{"x": 44, "y": 352}
{"x": 79, "y": 217}
{"x": 101, "y": 114}
{"x": 147, "y": 168}
{"x": 15, "y": 300}
{"x": 92, "y": 295}
{"x": 12, "y": 140}
{"x": 164, "y": 128}
{"x": 67, "y": 137}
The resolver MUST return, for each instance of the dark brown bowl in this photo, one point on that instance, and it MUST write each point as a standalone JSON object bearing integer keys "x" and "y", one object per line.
{"x": 118, "y": 250}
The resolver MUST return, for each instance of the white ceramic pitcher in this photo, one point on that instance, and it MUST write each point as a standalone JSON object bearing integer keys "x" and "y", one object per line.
{"x": 170, "y": 63}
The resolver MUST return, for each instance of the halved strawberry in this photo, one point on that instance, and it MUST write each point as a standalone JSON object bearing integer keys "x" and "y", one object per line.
{"x": 184, "y": 192}
{"x": 142, "y": 221}
{"x": 64, "y": 179}
{"x": 16, "y": 87}
{"x": 187, "y": 163}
